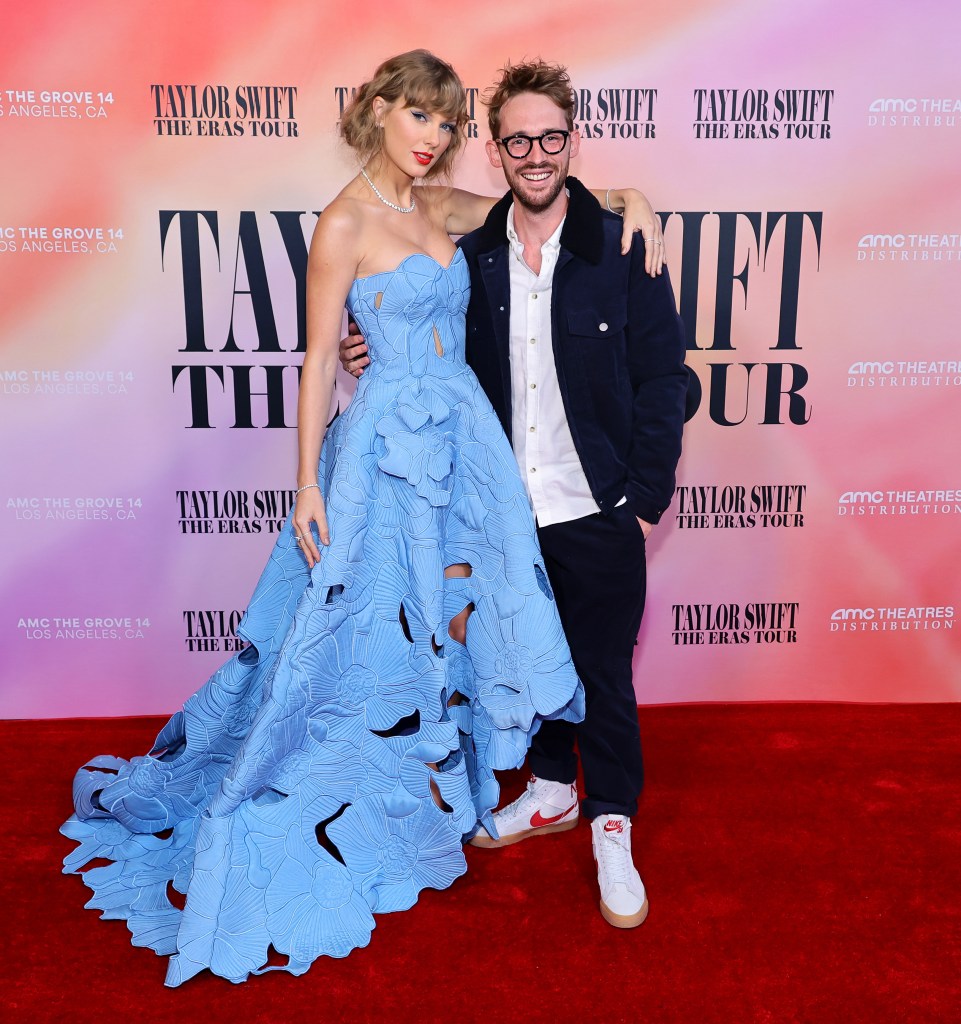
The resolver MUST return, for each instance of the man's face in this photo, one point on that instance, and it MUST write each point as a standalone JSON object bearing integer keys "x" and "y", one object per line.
{"x": 538, "y": 178}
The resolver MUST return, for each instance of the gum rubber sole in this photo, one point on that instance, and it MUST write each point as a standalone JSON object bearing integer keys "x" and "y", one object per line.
{"x": 486, "y": 842}
{"x": 624, "y": 920}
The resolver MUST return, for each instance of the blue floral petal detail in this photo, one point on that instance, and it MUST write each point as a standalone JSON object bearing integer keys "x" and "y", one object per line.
{"x": 332, "y": 768}
{"x": 397, "y": 857}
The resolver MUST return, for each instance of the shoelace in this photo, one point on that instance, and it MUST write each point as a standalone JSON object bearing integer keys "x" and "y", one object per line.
{"x": 522, "y": 805}
{"x": 615, "y": 856}
{"x": 522, "y": 802}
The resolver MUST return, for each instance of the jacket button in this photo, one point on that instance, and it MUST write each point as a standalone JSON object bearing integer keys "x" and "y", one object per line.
{"x": 490, "y": 259}
{"x": 602, "y": 327}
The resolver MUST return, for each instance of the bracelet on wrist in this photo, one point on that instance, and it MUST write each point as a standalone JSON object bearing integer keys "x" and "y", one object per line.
{"x": 306, "y": 487}
{"x": 607, "y": 200}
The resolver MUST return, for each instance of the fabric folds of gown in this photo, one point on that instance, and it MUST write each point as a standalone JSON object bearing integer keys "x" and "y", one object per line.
{"x": 332, "y": 769}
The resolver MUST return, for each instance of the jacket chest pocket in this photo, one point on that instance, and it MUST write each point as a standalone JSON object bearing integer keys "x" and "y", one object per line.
{"x": 598, "y": 340}
{"x": 592, "y": 325}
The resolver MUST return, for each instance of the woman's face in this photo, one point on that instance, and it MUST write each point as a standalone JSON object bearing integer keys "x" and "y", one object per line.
{"x": 415, "y": 138}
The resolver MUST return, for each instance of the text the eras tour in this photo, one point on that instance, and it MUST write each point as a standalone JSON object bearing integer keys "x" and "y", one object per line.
{"x": 599, "y": 113}
{"x": 761, "y": 114}
{"x": 219, "y": 111}
{"x": 236, "y": 272}
{"x": 213, "y": 629}
{"x": 735, "y": 506}
{"x": 757, "y": 622}
{"x": 233, "y": 511}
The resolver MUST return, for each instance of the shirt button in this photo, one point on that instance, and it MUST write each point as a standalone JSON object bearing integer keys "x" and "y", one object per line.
{"x": 533, "y": 386}
{"x": 490, "y": 259}
{"x": 533, "y": 429}
{"x": 502, "y": 309}
{"x": 602, "y": 327}
{"x": 533, "y": 469}
{"x": 533, "y": 341}
{"x": 534, "y": 296}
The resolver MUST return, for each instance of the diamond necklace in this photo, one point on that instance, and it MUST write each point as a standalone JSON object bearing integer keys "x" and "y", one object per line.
{"x": 387, "y": 202}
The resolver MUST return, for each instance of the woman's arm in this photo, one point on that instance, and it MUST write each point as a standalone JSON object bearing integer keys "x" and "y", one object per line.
{"x": 638, "y": 215}
{"x": 461, "y": 211}
{"x": 331, "y": 267}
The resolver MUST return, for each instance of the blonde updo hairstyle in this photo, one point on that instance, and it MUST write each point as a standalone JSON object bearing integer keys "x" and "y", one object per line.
{"x": 416, "y": 79}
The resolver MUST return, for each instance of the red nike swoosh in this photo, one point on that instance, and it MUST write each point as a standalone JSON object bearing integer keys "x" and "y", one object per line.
{"x": 537, "y": 819}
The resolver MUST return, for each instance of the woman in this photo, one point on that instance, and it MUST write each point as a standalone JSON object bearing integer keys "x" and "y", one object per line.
{"x": 403, "y": 640}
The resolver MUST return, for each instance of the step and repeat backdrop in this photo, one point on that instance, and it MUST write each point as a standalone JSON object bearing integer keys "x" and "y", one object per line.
{"x": 163, "y": 168}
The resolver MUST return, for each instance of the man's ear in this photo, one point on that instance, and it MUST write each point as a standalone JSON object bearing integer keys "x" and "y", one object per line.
{"x": 493, "y": 154}
{"x": 575, "y": 143}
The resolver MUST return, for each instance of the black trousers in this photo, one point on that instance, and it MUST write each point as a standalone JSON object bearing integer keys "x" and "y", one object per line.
{"x": 598, "y": 571}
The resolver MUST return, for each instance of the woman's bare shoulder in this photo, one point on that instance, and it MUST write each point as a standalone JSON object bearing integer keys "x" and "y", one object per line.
{"x": 342, "y": 221}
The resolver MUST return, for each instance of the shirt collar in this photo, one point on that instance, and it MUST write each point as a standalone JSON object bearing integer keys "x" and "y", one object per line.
{"x": 552, "y": 245}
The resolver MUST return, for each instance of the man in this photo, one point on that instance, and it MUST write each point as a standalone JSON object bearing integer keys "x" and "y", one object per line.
{"x": 582, "y": 356}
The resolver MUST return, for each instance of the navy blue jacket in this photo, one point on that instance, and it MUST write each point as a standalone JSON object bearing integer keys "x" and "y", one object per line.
{"x": 618, "y": 347}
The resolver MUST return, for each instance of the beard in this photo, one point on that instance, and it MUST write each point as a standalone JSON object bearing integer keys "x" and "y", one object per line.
{"x": 540, "y": 200}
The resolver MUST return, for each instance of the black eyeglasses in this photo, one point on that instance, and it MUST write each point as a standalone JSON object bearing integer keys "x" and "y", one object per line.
{"x": 519, "y": 145}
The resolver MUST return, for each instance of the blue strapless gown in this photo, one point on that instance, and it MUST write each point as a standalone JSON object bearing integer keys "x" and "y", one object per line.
{"x": 333, "y": 768}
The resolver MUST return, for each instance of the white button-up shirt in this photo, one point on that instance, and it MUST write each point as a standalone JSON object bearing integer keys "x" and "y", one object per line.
{"x": 545, "y": 451}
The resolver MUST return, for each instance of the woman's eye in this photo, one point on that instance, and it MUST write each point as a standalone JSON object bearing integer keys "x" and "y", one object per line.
{"x": 419, "y": 115}
{"x": 448, "y": 127}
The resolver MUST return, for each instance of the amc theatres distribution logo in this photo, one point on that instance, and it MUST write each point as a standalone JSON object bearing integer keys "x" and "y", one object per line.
{"x": 920, "y": 247}
{"x": 914, "y": 112}
{"x": 760, "y": 114}
{"x": 905, "y": 373}
{"x": 892, "y": 620}
{"x": 896, "y": 503}
{"x": 220, "y": 111}
{"x": 757, "y": 622}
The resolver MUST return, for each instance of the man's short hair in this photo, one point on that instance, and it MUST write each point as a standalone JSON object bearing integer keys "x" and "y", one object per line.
{"x": 550, "y": 80}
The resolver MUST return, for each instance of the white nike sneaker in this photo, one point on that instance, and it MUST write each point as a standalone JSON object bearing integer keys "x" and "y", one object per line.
{"x": 623, "y": 899}
{"x": 542, "y": 808}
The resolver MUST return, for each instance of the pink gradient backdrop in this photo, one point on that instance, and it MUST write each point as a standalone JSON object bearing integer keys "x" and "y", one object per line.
{"x": 122, "y": 313}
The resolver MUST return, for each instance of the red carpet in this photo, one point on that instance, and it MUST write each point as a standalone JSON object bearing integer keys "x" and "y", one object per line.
{"x": 803, "y": 864}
